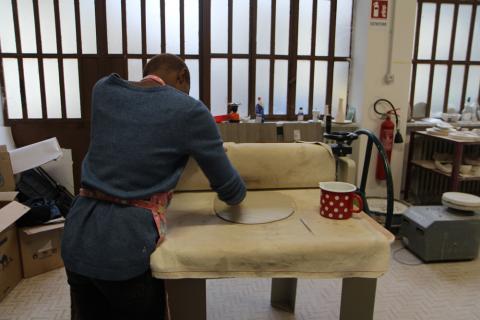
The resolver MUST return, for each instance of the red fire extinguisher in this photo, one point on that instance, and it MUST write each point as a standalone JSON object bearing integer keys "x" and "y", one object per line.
{"x": 386, "y": 137}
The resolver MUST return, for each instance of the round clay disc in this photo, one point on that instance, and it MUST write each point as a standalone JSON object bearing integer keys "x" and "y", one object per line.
{"x": 258, "y": 207}
{"x": 461, "y": 199}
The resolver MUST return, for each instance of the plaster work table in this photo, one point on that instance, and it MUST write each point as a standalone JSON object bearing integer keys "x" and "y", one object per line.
{"x": 201, "y": 246}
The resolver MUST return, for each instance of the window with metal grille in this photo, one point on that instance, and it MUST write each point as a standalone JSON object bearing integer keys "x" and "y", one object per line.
{"x": 446, "y": 61}
{"x": 292, "y": 53}
{"x": 40, "y": 46}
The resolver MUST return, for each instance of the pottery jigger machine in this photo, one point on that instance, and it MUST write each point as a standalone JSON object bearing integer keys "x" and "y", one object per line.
{"x": 342, "y": 147}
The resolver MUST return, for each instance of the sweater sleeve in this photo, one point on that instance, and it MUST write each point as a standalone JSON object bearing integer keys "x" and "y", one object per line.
{"x": 203, "y": 142}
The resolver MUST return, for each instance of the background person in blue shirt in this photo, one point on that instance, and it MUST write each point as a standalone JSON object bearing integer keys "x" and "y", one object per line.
{"x": 142, "y": 134}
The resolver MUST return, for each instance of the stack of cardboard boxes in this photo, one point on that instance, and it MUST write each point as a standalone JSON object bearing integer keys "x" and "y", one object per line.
{"x": 28, "y": 251}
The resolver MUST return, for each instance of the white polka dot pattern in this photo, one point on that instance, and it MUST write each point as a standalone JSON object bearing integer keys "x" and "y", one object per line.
{"x": 336, "y": 205}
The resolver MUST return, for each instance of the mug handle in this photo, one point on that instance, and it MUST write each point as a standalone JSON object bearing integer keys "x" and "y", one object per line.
{"x": 357, "y": 197}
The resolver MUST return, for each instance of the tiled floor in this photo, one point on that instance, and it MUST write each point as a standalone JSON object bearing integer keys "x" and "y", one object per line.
{"x": 407, "y": 292}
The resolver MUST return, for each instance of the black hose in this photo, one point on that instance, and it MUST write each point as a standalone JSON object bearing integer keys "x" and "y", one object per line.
{"x": 388, "y": 173}
{"x": 383, "y": 113}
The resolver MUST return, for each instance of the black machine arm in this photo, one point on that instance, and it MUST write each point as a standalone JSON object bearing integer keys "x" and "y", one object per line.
{"x": 342, "y": 147}
{"x": 343, "y": 141}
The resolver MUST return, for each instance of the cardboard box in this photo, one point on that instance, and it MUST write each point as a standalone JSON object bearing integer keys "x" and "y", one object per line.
{"x": 32, "y": 250}
{"x": 34, "y": 155}
{"x": 7, "y": 182}
{"x": 10, "y": 263}
{"x": 40, "y": 248}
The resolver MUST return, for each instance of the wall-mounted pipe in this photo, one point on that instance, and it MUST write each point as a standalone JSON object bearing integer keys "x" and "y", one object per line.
{"x": 389, "y": 77}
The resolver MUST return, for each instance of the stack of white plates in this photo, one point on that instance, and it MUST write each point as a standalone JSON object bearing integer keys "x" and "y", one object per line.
{"x": 464, "y": 135}
{"x": 461, "y": 201}
{"x": 441, "y": 129}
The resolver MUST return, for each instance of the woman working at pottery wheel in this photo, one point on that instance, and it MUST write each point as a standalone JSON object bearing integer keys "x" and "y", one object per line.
{"x": 142, "y": 134}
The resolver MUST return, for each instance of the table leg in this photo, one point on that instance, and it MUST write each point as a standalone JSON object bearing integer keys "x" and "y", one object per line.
{"x": 187, "y": 299}
{"x": 284, "y": 292}
{"x": 358, "y": 298}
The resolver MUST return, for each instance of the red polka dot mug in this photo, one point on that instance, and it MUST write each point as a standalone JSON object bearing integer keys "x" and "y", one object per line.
{"x": 337, "y": 198}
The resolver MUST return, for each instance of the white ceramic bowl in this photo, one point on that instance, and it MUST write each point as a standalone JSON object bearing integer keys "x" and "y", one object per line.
{"x": 451, "y": 117}
{"x": 466, "y": 168}
{"x": 444, "y": 167}
{"x": 476, "y": 171}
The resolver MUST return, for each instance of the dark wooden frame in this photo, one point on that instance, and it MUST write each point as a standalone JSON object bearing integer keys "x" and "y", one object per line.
{"x": 292, "y": 57}
{"x": 450, "y": 62}
{"x": 204, "y": 56}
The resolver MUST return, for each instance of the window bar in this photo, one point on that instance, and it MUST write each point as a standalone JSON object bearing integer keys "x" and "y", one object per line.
{"x": 312, "y": 60}
{"x": 118, "y": 55}
{"x": 292, "y": 61}
{"x": 182, "y": 29}
{"x": 319, "y": 58}
{"x": 38, "y": 35}
{"x": 84, "y": 112}
{"x": 272, "y": 58}
{"x": 421, "y": 61}
{"x": 60, "y": 57}
{"x": 101, "y": 23}
{"x": 20, "y": 59}
{"x": 237, "y": 55}
{"x": 140, "y": 56}
{"x": 162, "y": 26}
{"x": 229, "y": 54}
{"x": 331, "y": 55}
{"x": 78, "y": 29}
{"x": 432, "y": 61}
{"x": 204, "y": 47}
{"x": 252, "y": 61}
{"x": 124, "y": 38}
{"x": 2, "y": 87}
{"x": 415, "y": 56}
{"x": 469, "y": 53}
{"x": 144, "y": 33}
{"x": 450, "y": 57}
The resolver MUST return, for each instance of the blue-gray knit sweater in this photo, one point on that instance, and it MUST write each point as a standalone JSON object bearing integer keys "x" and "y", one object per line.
{"x": 141, "y": 139}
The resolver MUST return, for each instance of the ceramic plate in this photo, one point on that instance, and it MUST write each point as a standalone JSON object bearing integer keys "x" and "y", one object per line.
{"x": 463, "y": 137}
{"x": 257, "y": 208}
{"x": 444, "y": 125}
{"x": 461, "y": 199}
{"x": 458, "y": 207}
{"x": 380, "y": 205}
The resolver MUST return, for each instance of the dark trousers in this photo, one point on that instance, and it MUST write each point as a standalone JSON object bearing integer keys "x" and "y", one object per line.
{"x": 140, "y": 298}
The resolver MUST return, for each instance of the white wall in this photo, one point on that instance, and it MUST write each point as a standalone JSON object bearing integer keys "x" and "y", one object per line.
{"x": 370, "y": 53}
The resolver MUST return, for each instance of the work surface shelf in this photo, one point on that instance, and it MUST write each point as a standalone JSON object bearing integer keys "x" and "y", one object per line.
{"x": 305, "y": 245}
{"x": 448, "y": 138}
{"x": 429, "y": 165}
